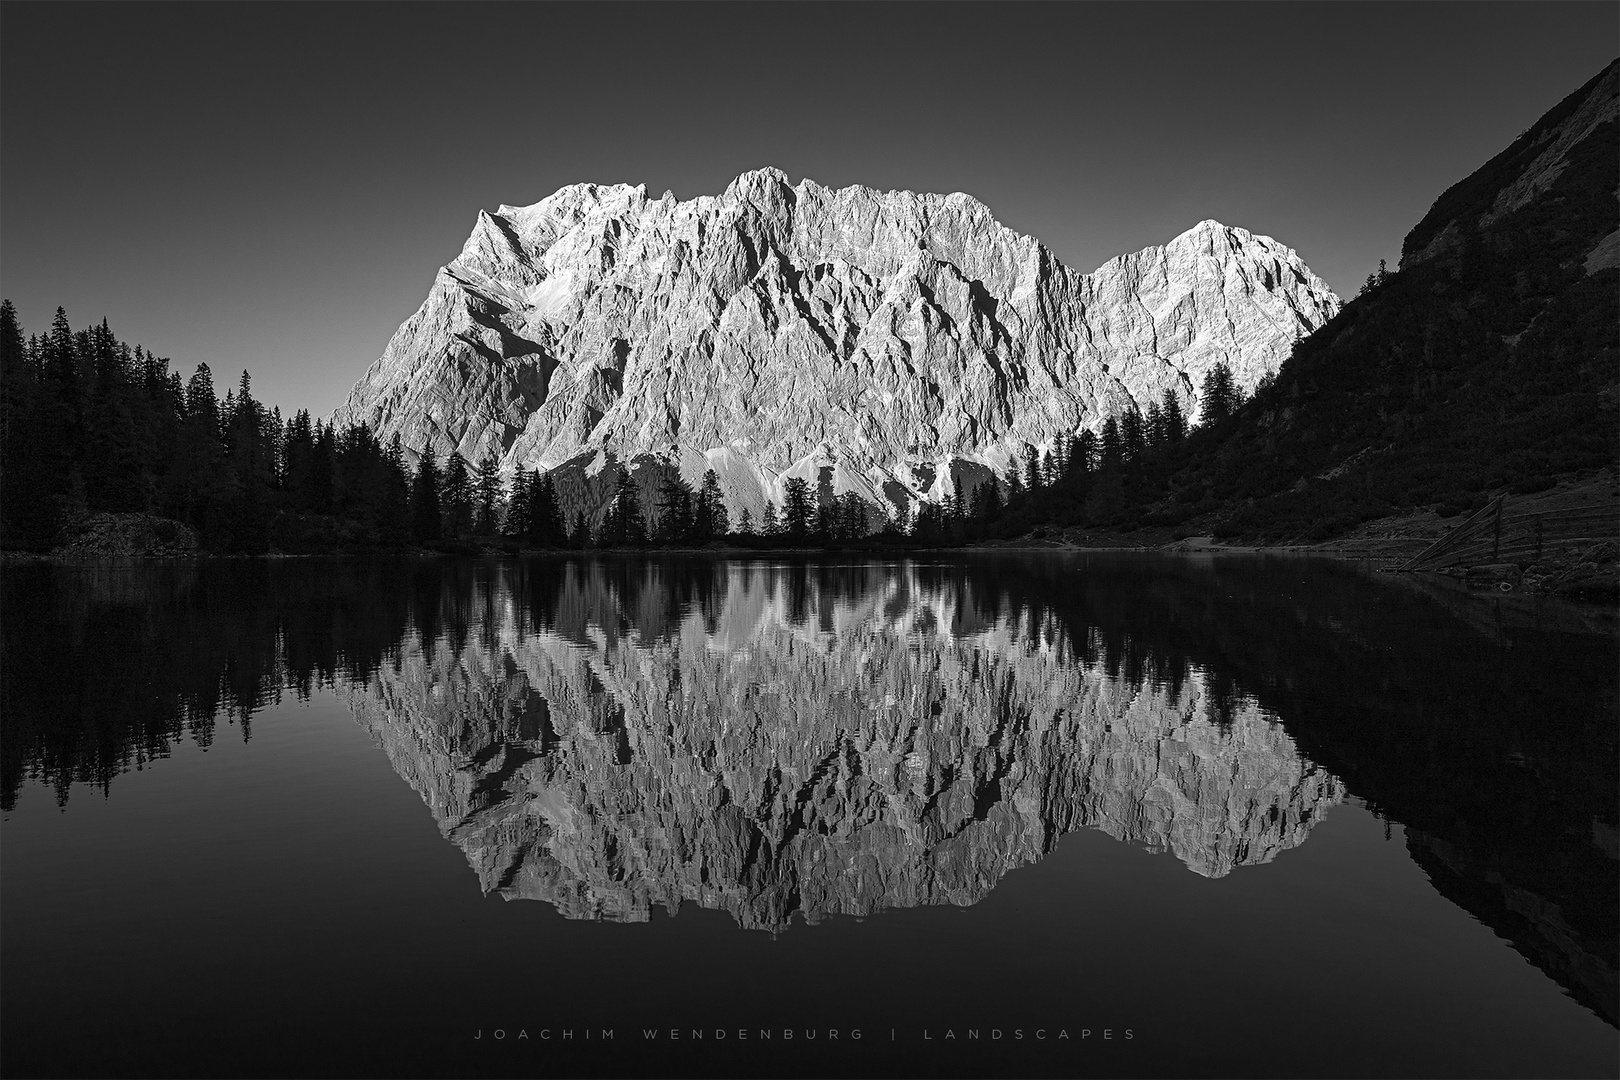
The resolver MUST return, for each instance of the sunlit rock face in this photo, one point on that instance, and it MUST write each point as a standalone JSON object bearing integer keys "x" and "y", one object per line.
{"x": 783, "y": 753}
{"x": 865, "y": 338}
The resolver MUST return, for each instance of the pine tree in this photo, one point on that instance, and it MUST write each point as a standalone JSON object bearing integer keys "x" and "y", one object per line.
{"x": 487, "y": 493}
{"x": 1175, "y": 423}
{"x": 322, "y": 469}
{"x": 251, "y": 457}
{"x": 770, "y": 525}
{"x": 1132, "y": 435}
{"x": 196, "y": 484}
{"x": 797, "y": 511}
{"x": 549, "y": 527}
{"x": 520, "y": 506}
{"x": 1084, "y": 459}
{"x": 745, "y": 522}
{"x": 990, "y": 501}
{"x": 28, "y": 505}
{"x": 580, "y": 537}
{"x": 427, "y": 522}
{"x": 852, "y": 519}
{"x": 675, "y": 516}
{"x": 394, "y": 510}
{"x": 1154, "y": 425}
{"x": 710, "y": 517}
{"x": 111, "y": 469}
{"x": 1111, "y": 452}
{"x": 626, "y": 522}
{"x": 456, "y": 496}
{"x": 1221, "y": 397}
{"x": 297, "y": 461}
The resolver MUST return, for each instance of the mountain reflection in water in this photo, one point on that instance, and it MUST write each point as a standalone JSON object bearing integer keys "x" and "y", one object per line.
{"x": 800, "y": 744}
{"x": 787, "y": 738}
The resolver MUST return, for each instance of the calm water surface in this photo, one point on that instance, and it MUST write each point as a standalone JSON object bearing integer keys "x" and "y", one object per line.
{"x": 1000, "y": 815}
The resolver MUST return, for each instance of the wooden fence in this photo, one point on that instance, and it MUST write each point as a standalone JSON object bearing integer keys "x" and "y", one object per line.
{"x": 1493, "y": 535}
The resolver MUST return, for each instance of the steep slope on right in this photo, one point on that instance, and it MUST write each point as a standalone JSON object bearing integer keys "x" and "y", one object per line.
{"x": 1489, "y": 363}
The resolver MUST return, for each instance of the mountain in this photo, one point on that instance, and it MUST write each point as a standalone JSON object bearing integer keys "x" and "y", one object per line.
{"x": 1490, "y": 361}
{"x": 793, "y": 752}
{"x": 863, "y": 340}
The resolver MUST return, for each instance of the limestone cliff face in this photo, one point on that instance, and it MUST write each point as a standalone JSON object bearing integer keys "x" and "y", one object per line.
{"x": 868, "y": 338}
{"x": 785, "y": 754}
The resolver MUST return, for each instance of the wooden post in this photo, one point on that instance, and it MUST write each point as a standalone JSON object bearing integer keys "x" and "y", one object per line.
{"x": 1496, "y": 543}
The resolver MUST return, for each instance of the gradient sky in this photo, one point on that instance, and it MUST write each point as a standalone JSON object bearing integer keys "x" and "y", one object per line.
{"x": 273, "y": 187}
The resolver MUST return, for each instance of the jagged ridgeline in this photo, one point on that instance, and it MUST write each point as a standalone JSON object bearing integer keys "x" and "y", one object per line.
{"x": 880, "y": 344}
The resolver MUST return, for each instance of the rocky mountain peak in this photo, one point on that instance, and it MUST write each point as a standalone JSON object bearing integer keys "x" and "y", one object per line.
{"x": 779, "y": 329}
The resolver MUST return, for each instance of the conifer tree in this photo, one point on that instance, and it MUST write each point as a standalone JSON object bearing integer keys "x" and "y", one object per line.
{"x": 456, "y": 496}
{"x": 745, "y": 522}
{"x": 1221, "y": 397}
{"x": 1111, "y": 451}
{"x": 675, "y": 516}
{"x": 548, "y": 525}
{"x": 626, "y": 523}
{"x": 1154, "y": 424}
{"x": 797, "y": 511}
{"x": 710, "y": 517}
{"x": 487, "y": 493}
{"x": 28, "y": 506}
{"x": 395, "y": 508}
{"x": 1084, "y": 459}
{"x": 770, "y": 525}
{"x": 1175, "y": 422}
{"x": 520, "y": 505}
{"x": 852, "y": 524}
{"x": 427, "y": 523}
{"x": 1132, "y": 437}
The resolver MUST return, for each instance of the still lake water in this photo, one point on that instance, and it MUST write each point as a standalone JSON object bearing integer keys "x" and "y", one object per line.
{"x": 1022, "y": 814}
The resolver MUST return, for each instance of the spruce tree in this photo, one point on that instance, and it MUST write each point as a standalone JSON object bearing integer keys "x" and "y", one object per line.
{"x": 487, "y": 491}
{"x": 427, "y": 523}
{"x": 1111, "y": 451}
{"x": 675, "y": 514}
{"x": 580, "y": 537}
{"x": 394, "y": 512}
{"x": 1084, "y": 458}
{"x": 797, "y": 511}
{"x": 28, "y": 505}
{"x": 1132, "y": 436}
{"x": 520, "y": 505}
{"x": 456, "y": 496}
{"x": 1221, "y": 397}
{"x": 1175, "y": 423}
{"x": 549, "y": 521}
{"x": 711, "y": 517}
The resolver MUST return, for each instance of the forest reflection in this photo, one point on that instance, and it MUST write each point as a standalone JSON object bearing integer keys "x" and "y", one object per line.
{"x": 805, "y": 738}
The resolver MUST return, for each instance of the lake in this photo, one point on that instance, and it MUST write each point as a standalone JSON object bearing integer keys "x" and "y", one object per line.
{"x": 1000, "y": 814}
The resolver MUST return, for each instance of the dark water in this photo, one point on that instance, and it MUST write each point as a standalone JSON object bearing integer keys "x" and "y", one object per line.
{"x": 1020, "y": 815}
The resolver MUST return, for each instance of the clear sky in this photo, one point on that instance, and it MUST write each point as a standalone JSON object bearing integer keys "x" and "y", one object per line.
{"x": 274, "y": 186}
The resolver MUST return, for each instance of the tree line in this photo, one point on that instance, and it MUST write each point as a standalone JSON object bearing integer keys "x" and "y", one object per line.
{"x": 89, "y": 424}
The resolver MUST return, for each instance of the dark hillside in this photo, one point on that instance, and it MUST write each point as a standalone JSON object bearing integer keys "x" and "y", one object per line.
{"x": 1488, "y": 362}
